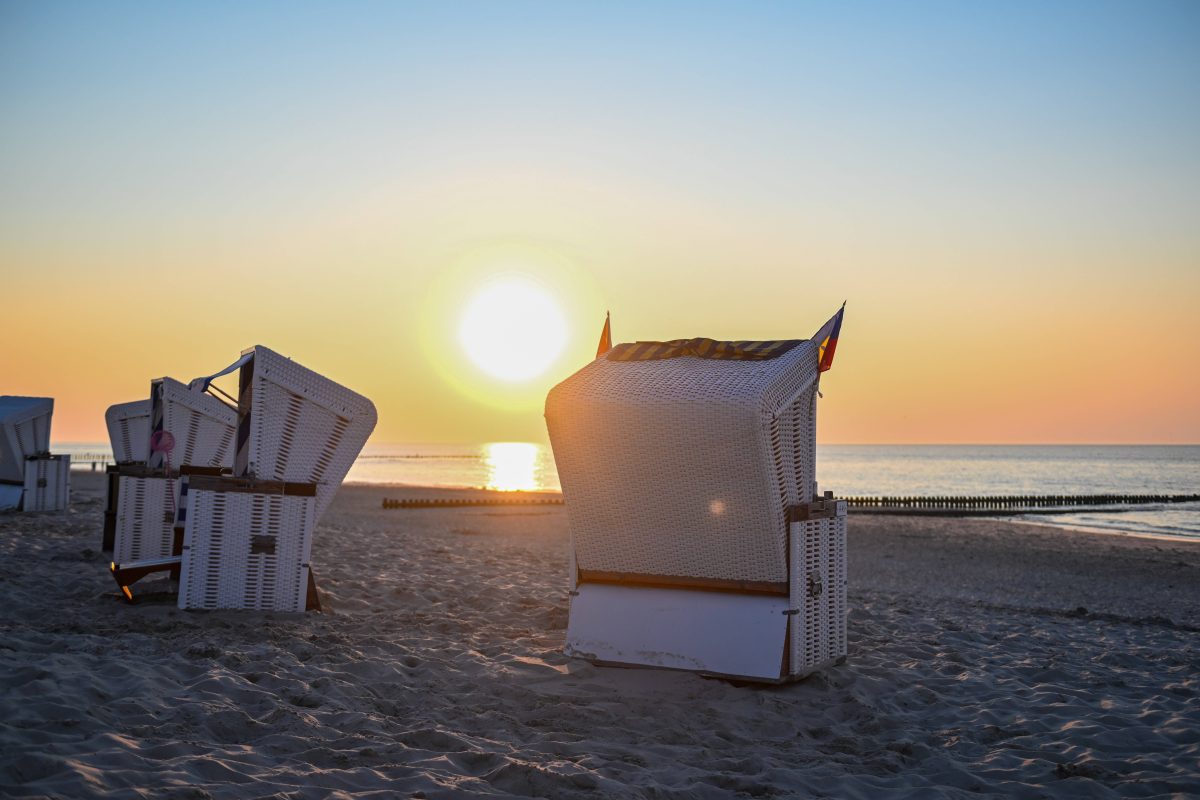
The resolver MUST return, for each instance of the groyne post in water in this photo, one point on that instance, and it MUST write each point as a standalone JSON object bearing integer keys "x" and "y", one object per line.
{"x": 945, "y": 505}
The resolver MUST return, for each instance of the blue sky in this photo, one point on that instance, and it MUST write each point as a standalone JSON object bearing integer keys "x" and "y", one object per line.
{"x": 1001, "y": 171}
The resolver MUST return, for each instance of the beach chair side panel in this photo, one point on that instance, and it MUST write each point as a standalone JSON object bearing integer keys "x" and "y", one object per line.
{"x": 818, "y": 592}
{"x": 145, "y": 518}
{"x": 47, "y": 483}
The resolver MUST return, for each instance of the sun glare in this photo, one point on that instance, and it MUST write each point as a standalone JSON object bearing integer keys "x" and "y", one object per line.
{"x": 512, "y": 466}
{"x": 513, "y": 329}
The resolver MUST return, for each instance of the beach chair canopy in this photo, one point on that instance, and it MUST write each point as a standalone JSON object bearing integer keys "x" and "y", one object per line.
{"x": 202, "y": 426}
{"x": 24, "y": 432}
{"x": 686, "y": 466}
{"x": 294, "y": 424}
{"x": 129, "y": 430}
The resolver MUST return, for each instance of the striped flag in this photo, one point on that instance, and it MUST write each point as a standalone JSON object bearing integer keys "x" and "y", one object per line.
{"x": 826, "y": 340}
{"x": 605, "y": 337}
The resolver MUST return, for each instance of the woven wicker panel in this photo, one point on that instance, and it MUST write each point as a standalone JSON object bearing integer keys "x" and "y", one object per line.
{"x": 203, "y": 426}
{"x": 47, "y": 483}
{"x": 145, "y": 518}
{"x": 685, "y": 466}
{"x": 246, "y": 551}
{"x": 818, "y": 632}
{"x": 129, "y": 430}
{"x": 303, "y": 426}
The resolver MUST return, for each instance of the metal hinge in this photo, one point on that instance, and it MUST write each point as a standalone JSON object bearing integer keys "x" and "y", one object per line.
{"x": 820, "y": 508}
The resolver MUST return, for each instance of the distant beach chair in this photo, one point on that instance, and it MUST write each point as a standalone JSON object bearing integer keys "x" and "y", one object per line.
{"x": 182, "y": 428}
{"x": 698, "y": 539}
{"x": 247, "y": 537}
{"x": 129, "y": 437}
{"x": 31, "y": 478}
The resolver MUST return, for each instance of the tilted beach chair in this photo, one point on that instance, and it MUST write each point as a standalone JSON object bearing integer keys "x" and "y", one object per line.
{"x": 31, "y": 479}
{"x": 698, "y": 541}
{"x": 184, "y": 427}
{"x": 247, "y": 537}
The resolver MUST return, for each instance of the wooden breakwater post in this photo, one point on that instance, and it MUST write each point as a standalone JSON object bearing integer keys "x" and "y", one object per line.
{"x": 981, "y": 505}
{"x": 469, "y": 502}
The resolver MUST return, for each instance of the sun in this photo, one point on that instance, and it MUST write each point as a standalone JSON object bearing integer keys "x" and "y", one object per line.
{"x": 512, "y": 329}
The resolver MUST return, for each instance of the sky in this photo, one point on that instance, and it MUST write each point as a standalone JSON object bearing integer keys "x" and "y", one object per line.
{"x": 1007, "y": 195}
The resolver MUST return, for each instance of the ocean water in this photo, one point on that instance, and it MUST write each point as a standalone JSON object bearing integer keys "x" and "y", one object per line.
{"x": 921, "y": 470}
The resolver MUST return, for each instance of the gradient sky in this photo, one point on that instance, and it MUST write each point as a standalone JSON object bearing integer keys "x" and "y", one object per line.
{"x": 1008, "y": 196}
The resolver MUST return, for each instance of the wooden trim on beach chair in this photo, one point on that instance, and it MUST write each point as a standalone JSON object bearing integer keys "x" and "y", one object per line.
{"x": 312, "y": 601}
{"x": 108, "y": 537}
{"x": 820, "y": 508}
{"x": 131, "y": 572}
{"x": 213, "y": 472}
{"x": 681, "y": 582}
{"x": 228, "y": 483}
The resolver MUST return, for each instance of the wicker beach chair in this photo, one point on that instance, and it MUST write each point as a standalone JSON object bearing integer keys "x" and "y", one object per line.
{"x": 182, "y": 427}
{"x": 247, "y": 537}
{"x": 31, "y": 478}
{"x": 698, "y": 540}
{"x": 129, "y": 437}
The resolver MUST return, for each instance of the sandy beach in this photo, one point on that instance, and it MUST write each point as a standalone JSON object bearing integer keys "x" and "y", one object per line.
{"x": 987, "y": 659}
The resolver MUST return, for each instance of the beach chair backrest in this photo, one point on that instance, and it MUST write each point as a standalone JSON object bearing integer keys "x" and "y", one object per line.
{"x": 297, "y": 425}
{"x": 129, "y": 431}
{"x": 686, "y": 466}
{"x": 24, "y": 432}
{"x": 203, "y": 427}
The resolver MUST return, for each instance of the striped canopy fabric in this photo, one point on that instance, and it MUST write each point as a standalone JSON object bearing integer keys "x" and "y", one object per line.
{"x": 702, "y": 348}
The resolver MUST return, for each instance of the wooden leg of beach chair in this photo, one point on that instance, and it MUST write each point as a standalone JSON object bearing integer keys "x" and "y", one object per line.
{"x": 313, "y": 601}
{"x": 110, "y": 514}
{"x": 130, "y": 573}
{"x": 177, "y": 551}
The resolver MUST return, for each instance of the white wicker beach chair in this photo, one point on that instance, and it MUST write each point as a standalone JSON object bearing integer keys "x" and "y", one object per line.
{"x": 248, "y": 538}
{"x": 31, "y": 479}
{"x": 202, "y": 428}
{"x": 129, "y": 437}
{"x": 697, "y": 541}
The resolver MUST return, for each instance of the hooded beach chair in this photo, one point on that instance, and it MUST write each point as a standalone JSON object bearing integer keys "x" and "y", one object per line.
{"x": 183, "y": 427}
{"x": 247, "y": 537}
{"x": 129, "y": 437}
{"x": 698, "y": 539}
{"x": 31, "y": 479}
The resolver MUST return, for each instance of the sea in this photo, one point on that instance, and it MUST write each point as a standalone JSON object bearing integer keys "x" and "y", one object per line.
{"x": 856, "y": 470}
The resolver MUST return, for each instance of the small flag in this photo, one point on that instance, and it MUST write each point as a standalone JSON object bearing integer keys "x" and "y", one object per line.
{"x": 605, "y": 337}
{"x": 826, "y": 340}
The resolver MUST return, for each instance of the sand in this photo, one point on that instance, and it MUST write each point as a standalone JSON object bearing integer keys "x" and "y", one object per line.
{"x": 987, "y": 659}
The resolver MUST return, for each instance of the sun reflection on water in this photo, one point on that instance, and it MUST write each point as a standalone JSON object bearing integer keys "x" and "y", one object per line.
{"x": 511, "y": 466}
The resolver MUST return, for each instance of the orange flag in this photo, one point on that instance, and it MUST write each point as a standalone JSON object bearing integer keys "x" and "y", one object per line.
{"x": 605, "y": 337}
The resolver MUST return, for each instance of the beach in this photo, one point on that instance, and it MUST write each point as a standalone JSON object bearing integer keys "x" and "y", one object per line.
{"x": 987, "y": 659}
